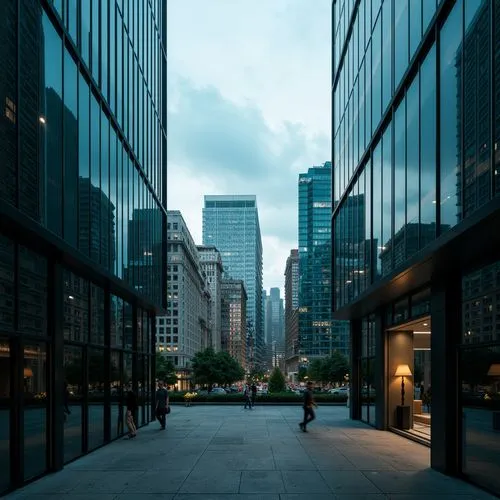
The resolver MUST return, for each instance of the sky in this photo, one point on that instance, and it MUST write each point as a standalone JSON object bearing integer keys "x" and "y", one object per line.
{"x": 249, "y": 108}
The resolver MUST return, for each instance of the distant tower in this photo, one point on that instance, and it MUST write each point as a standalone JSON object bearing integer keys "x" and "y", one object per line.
{"x": 231, "y": 223}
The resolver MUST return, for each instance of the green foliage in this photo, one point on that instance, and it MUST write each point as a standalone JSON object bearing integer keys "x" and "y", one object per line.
{"x": 280, "y": 397}
{"x": 276, "y": 381}
{"x": 331, "y": 369}
{"x": 257, "y": 375}
{"x": 211, "y": 368}
{"x": 302, "y": 375}
{"x": 165, "y": 369}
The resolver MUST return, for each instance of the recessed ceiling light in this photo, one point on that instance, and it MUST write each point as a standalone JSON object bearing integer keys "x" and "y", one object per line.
{"x": 425, "y": 324}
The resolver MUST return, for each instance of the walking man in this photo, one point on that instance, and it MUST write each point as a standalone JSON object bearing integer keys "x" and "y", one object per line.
{"x": 309, "y": 403}
{"x": 161, "y": 405}
{"x": 248, "y": 401}
{"x": 254, "y": 393}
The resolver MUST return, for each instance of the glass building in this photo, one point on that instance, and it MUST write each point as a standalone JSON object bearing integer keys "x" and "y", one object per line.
{"x": 231, "y": 223}
{"x": 82, "y": 219}
{"x": 318, "y": 335}
{"x": 416, "y": 108}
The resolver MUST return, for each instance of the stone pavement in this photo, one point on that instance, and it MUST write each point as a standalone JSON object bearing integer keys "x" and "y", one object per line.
{"x": 225, "y": 452}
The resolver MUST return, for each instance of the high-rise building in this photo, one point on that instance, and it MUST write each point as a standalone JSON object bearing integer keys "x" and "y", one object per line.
{"x": 231, "y": 223}
{"x": 275, "y": 339}
{"x": 318, "y": 335}
{"x": 211, "y": 265}
{"x": 185, "y": 329}
{"x": 291, "y": 313}
{"x": 83, "y": 153}
{"x": 416, "y": 96}
{"x": 234, "y": 319}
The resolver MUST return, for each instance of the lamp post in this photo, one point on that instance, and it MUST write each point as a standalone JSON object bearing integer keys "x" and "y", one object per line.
{"x": 403, "y": 411}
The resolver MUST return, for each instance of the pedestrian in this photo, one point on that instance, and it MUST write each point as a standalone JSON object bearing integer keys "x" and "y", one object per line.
{"x": 66, "y": 395}
{"x": 309, "y": 404}
{"x": 422, "y": 390}
{"x": 254, "y": 394}
{"x": 131, "y": 404}
{"x": 162, "y": 401}
{"x": 248, "y": 401}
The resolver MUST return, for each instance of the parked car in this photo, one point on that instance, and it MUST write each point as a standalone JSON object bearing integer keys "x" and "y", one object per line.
{"x": 340, "y": 391}
{"x": 218, "y": 390}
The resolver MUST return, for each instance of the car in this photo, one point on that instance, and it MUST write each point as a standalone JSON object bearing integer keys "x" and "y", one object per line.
{"x": 338, "y": 391}
{"x": 218, "y": 390}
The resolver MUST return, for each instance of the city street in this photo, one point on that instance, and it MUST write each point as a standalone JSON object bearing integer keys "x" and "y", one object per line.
{"x": 225, "y": 452}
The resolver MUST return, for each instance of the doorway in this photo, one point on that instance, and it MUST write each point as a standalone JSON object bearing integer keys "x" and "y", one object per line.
{"x": 409, "y": 379}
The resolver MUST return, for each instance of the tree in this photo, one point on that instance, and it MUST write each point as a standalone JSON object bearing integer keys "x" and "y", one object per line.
{"x": 276, "y": 381}
{"x": 317, "y": 371}
{"x": 302, "y": 375}
{"x": 335, "y": 367}
{"x": 257, "y": 375}
{"x": 211, "y": 368}
{"x": 165, "y": 369}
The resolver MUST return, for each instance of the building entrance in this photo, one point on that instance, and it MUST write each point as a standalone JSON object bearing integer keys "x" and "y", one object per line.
{"x": 409, "y": 379}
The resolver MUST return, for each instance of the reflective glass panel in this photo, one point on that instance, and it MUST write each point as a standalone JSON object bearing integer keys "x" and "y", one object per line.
{"x": 96, "y": 377}
{"x": 76, "y": 307}
{"x": 399, "y": 241}
{"x": 73, "y": 402}
{"x": 84, "y": 166}
{"x": 450, "y": 54}
{"x": 386, "y": 255}
{"x": 377, "y": 210}
{"x": 7, "y": 294}
{"x": 428, "y": 204}
{"x": 5, "y": 409}
{"x": 386, "y": 53}
{"x": 36, "y": 403}
{"x": 401, "y": 38}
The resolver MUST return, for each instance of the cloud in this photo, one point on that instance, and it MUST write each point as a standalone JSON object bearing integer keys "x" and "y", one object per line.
{"x": 249, "y": 108}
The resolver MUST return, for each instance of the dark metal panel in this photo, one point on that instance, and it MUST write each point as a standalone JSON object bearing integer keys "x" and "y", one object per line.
{"x": 446, "y": 316}
{"x": 355, "y": 378}
{"x": 107, "y": 367}
{"x": 55, "y": 379}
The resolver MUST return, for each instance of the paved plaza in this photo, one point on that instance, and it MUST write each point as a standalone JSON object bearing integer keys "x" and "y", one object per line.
{"x": 225, "y": 452}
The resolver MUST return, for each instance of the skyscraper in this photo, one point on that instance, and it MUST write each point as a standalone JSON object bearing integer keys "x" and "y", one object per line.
{"x": 275, "y": 326}
{"x": 211, "y": 265}
{"x": 83, "y": 154}
{"x": 416, "y": 100}
{"x": 231, "y": 223}
{"x": 184, "y": 330}
{"x": 291, "y": 312}
{"x": 318, "y": 336}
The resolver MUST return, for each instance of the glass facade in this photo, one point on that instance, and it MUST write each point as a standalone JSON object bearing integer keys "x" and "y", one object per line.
{"x": 318, "y": 335}
{"x": 231, "y": 224}
{"x": 82, "y": 218}
{"x": 418, "y": 189}
{"x": 415, "y": 140}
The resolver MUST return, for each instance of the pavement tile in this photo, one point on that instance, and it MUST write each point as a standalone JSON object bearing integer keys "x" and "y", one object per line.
{"x": 261, "y": 482}
{"x": 304, "y": 482}
{"x": 156, "y": 481}
{"x": 211, "y": 482}
{"x": 349, "y": 481}
{"x": 263, "y": 496}
{"x": 105, "y": 481}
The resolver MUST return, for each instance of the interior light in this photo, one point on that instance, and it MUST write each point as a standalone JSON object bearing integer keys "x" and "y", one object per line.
{"x": 425, "y": 324}
{"x": 42, "y": 119}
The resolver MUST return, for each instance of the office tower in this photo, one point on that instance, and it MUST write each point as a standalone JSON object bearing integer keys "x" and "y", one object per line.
{"x": 83, "y": 153}
{"x": 318, "y": 335}
{"x": 231, "y": 223}
{"x": 275, "y": 326}
{"x": 211, "y": 265}
{"x": 185, "y": 329}
{"x": 234, "y": 320}
{"x": 291, "y": 314}
{"x": 415, "y": 147}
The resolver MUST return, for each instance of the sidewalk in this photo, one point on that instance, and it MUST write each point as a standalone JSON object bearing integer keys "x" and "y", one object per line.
{"x": 225, "y": 452}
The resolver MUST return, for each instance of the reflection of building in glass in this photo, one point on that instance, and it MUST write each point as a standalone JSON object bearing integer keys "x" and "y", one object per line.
{"x": 97, "y": 221}
{"x": 291, "y": 312}
{"x": 211, "y": 265}
{"x": 234, "y": 319}
{"x": 231, "y": 223}
{"x": 83, "y": 149}
{"x": 318, "y": 336}
{"x": 144, "y": 250}
{"x": 184, "y": 330}
{"x": 418, "y": 279}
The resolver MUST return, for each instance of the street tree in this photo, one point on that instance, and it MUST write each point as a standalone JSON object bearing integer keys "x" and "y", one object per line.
{"x": 276, "y": 381}
{"x": 165, "y": 369}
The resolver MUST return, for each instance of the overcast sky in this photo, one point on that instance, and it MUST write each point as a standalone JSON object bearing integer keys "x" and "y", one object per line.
{"x": 248, "y": 109}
